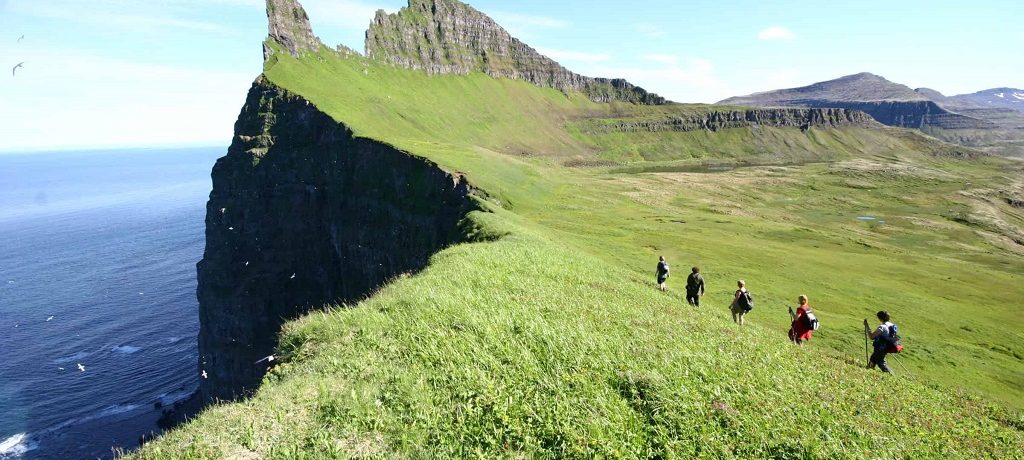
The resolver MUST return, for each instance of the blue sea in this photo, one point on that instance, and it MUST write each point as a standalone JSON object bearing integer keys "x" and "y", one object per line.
{"x": 98, "y": 313}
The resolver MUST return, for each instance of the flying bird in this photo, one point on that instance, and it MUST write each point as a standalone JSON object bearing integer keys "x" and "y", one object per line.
{"x": 268, "y": 359}
{"x": 15, "y": 68}
{"x": 21, "y": 38}
{"x": 204, "y": 375}
{"x": 50, "y": 318}
{"x": 81, "y": 367}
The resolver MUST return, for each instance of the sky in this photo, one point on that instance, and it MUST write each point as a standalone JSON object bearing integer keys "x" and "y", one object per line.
{"x": 147, "y": 73}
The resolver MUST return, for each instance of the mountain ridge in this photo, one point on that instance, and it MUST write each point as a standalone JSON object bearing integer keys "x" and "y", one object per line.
{"x": 956, "y": 119}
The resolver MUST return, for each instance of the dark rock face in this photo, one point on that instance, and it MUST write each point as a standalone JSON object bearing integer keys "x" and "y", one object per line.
{"x": 890, "y": 103}
{"x": 289, "y": 26}
{"x": 721, "y": 120}
{"x": 450, "y": 37}
{"x": 303, "y": 214}
{"x": 912, "y": 114}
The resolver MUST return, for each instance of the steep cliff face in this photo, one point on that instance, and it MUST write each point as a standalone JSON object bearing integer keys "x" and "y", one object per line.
{"x": 303, "y": 214}
{"x": 450, "y": 37}
{"x": 908, "y": 114}
{"x": 721, "y": 120}
{"x": 289, "y": 26}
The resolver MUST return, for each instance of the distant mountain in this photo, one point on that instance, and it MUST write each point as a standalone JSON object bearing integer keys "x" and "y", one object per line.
{"x": 889, "y": 103}
{"x": 996, "y": 98}
{"x": 862, "y": 87}
{"x": 987, "y": 119}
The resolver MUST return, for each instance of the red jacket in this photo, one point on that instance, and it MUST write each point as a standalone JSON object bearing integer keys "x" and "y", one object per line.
{"x": 799, "y": 329}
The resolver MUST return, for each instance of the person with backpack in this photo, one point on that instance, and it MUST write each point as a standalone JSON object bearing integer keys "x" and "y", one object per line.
{"x": 886, "y": 340}
{"x": 742, "y": 303}
{"x": 804, "y": 322}
{"x": 662, "y": 273}
{"x": 694, "y": 287}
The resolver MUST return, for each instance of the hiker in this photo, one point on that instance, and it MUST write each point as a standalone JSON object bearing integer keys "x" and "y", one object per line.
{"x": 883, "y": 338}
{"x": 694, "y": 287}
{"x": 662, "y": 273}
{"x": 742, "y": 303}
{"x": 802, "y": 327}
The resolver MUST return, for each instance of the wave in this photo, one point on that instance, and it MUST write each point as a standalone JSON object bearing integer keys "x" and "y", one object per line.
{"x": 125, "y": 349}
{"x": 17, "y": 445}
{"x": 75, "y": 357}
{"x": 169, "y": 398}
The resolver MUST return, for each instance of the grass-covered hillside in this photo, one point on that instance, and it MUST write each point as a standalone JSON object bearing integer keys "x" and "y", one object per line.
{"x": 546, "y": 337}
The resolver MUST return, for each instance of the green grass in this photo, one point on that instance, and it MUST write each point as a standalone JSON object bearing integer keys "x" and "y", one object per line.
{"x": 551, "y": 341}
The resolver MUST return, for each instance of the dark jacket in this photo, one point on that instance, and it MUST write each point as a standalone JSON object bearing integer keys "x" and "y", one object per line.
{"x": 695, "y": 283}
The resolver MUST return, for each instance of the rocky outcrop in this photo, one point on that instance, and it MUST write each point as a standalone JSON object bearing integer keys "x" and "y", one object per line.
{"x": 303, "y": 214}
{"x": 289, "y": 26}
{"x": 890, "y": 103}
{"x": 721, "y": 120}
{"x": 450, "y": 37}
{"x": 908, "y": 114}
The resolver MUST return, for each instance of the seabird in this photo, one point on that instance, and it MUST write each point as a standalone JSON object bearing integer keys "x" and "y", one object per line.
{"x": 204, "y": 374}
{"x": 293, "y": 276}
{"x": 268, "y": 359}
{"x": 15, "y": 68}
{"x": 81, "y": 367}
{"x": 49, "y": 319}
{"x": 21, "y": 38}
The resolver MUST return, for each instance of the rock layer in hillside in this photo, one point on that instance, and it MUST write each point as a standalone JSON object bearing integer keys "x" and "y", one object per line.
{"x": 302, "y": 214}
{"x": 289, "y": 26}
{"x": 732, "y": 119}
{"x": 450, "y": 37}
{"x": 890, "y": 103}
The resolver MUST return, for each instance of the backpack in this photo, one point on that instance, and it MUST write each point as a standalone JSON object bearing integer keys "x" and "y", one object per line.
{"x": 746, "y": 301}
{"x": 811, "y": 321}
{"x": 895, "y": 342}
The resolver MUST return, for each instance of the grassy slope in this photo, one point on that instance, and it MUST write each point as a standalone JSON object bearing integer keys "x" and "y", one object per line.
{"x": 551, "y": 341}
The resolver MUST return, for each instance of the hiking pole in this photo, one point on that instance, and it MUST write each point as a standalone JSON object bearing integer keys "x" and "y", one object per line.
{"x": 904, "y": 367}
{"x": 867, "y": 356}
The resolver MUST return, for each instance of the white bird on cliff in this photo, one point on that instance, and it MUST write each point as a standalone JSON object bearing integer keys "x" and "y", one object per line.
{"x": 204, "y": 375}
{"x": 268, "y": 359}
{"x": 15, "y": 68}
{"x": 81, "y": 368}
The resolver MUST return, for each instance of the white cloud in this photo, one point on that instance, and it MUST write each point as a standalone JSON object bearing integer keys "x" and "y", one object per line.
{"x": 776, "y": 33}
{"x": 72, "y": 99}
{"x": 577, "y": 56}
{"x": 347, "y": 14}
{"x": 650, "y": 30}
{"x": 527, "y": 20}
{"x": 111, "y": 14}
{"x": 667, "y": 59}
{"x": 681, "y": 80}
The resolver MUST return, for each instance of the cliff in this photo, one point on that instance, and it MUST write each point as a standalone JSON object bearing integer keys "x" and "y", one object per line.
{"x": 303, "y": 214}
{"x": 890, "y": 103}
{"x": 733, "y": 119}
{"x": 289, "y": 26}
{"x": 450, "y": 37}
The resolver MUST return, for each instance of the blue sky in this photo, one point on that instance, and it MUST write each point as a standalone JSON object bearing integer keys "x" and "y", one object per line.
{"x": 117, "y": 73}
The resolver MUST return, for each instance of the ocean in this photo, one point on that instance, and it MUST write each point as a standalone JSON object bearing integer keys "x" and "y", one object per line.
{"x": 98, "y": 313}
